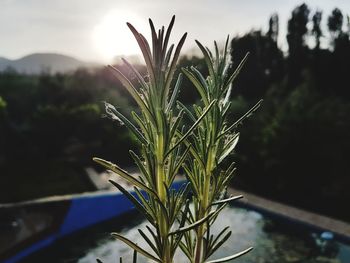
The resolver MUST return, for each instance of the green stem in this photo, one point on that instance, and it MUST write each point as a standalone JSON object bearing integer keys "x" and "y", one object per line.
{"x": 202, "y": 213}
{"x": 204, "y": 204}
{"x": 163, "y": 224}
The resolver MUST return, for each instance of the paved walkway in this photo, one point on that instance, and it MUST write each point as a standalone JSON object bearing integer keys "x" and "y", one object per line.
{"x": 320, "y": 221}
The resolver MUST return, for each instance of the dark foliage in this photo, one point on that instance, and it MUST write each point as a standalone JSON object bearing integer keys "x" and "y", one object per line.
{"x": 294, "y": 149}
{"x": 49, "y": 128}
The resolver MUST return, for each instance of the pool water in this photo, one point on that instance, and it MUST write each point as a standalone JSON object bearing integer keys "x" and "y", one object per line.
{"x": 273, "y": 242}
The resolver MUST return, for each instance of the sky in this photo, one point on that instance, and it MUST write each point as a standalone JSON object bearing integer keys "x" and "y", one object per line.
{"x": 95, "y": 30}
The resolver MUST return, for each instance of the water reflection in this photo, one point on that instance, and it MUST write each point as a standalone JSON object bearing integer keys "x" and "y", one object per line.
{"x": 273, "y": 242}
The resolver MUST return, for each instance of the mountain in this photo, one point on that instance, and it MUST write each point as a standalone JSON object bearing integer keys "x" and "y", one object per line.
{"x": 38, "y": 62}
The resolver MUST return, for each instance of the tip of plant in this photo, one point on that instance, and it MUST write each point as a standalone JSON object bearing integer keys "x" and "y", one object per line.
{"x": 198, "y": 43}
{"x": 110, "y": 66}
{"x": 131, "y": 27}
{"x": 151, "y": 23}
{"x": 98, "y": 160}
{"x": 183, "y": 38}
{"x": 172, "y": 21}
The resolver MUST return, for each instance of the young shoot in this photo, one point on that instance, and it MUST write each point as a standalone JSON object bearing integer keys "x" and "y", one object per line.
{"x": 165, "y": 147}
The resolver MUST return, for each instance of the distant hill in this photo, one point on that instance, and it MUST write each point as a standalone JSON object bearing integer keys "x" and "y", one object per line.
{"x": 38, "y": 62}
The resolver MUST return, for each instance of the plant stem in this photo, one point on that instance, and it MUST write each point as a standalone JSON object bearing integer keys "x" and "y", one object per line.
{"x": 204, "y": 205}
{"x": 201, "y": 228}
{"x": 163, "y": 224}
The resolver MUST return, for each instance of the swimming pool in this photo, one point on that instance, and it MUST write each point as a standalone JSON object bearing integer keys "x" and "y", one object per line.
{"x": 274, "y": 241}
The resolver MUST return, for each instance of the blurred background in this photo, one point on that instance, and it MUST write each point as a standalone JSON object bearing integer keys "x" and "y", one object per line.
{"x": 294, "y": 149}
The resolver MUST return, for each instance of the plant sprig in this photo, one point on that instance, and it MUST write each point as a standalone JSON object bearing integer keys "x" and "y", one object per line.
{"x": 162, "y": 153}
{"x": 213, "y": 141}
{"x": 166, "y": 146}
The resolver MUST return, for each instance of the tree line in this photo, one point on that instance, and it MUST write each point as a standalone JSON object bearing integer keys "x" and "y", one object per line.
{"x": 294, "y": 149}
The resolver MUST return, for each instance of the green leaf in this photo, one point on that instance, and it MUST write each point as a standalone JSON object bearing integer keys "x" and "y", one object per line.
{"x": 168, "y": 56}
{"x": 142, "y": 126}
{"x": 179, "y": 163}
{"x": 131, "y": 89}
{"x": 201, "y": 78}
{"x": 171, "y": 70}
{"x": 237, "y": 71}
{"x": 198, "y": 85}
{"x": 217, "y": 56}
{"x": 220, "y": 243}
{"x": 155, "y": 238}
{"x": 110, "y": 109}
{"x": 192, "y": 226}
{"x": 230, "y": 257}
{"x": 115, "y": 168}
{"x": 175, "y": 126}
{"x": 134, "y": 257}
{"x": 186, "y": 251}
{"x": 163, "y": 210}
{"x": 149, "y": 242}
{"x": 246, "y": 115}
{"x": 219, "y": 235}
{"x": 135, "y": 247}
{"x": 230, "y": 146}
{"x": 137, "y": 204}
{"x": 233, "y": 198}
{"x": 195, "y": 155}
{"x": 145, "y": 51}
{"x": 174, "y": 94}
{"x": 140, "y": 165}
{"x": 155, "y": 44}
{"x": 192, "y": 128}
{"x": 207, "y": 59}
{"x": 146, "y": 203}
{"x": 137, "y": 74}
{"x": 167, "y": 36}
{"x": 187, "y": 111}
{"x": 226, "y": 46}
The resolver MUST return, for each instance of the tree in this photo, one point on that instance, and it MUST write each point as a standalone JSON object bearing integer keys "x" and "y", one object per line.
{"x": 297, "y": 29}
{"x": 316, "y": 29}
{"x": 272, "y": 33}
{"x": 265, "y": 61}
{"x": 335, "y": 22}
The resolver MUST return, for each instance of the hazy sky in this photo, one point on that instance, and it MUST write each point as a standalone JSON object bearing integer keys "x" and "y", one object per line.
{"x": 95, "y": 30}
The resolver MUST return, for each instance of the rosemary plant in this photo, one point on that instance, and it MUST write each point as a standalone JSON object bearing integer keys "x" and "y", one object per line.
{"x": 165, "y": 147}
{"x": 156, "y": 128}
{"x": 212, "y": 141}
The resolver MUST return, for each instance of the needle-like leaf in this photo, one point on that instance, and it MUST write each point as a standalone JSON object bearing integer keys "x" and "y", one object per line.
{"x": 115, "y": 168}
{"x": 135, "y": 247}
{"x": 230, "y": 257}
{"x": 233, "y": 198}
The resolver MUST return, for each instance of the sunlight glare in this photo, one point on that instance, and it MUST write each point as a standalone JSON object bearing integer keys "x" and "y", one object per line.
{"x": 113, "y": 38}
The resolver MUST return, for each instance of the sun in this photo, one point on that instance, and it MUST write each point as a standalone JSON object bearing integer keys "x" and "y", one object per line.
{"x": 113, "y": 38}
